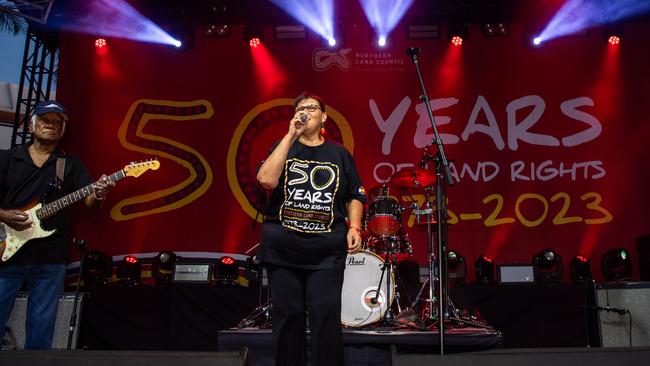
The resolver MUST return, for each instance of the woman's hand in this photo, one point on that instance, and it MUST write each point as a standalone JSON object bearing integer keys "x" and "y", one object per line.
{"x": 354, "y": 239}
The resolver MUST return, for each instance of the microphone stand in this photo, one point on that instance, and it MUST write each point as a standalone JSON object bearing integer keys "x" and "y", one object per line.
{"x": 442, "y": 168}
{"x": 81, "y": 243}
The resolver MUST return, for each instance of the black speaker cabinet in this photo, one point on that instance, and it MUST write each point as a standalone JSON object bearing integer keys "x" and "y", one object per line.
{"x": 15, "y": 336}
{"x": 616, "y": 305}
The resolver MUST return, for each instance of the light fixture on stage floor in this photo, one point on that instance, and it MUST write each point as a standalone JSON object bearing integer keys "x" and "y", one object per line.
{"x": 484, "y": 267}
{"x": 98, "y": 268}
{"x": 547, "y": 265}
{"x": 616, "y": 264}
{"x": 226, "y": 271}
{"x": 129, "y": 271}
{"x": 456, "y": 266}
{"x": 580, "y": 269}
{"x": 162, "y": 267}
{"x": 381, "y": 41}
{"x": 253, "y": 35}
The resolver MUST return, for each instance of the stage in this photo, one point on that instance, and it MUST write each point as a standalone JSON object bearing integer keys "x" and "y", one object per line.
{"x": 369, "y": 346}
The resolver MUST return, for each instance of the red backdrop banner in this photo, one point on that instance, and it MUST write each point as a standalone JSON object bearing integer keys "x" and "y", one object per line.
{"x": 549, "y": 145}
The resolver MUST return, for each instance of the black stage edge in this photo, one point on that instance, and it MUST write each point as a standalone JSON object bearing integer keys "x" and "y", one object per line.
{"x": 370, "y": 347}
{"x": 526, "y": 356}
{"x": 123, "y": 358}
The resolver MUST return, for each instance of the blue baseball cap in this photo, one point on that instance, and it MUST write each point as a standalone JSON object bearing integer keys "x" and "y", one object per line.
{"x": 50, "y": 106}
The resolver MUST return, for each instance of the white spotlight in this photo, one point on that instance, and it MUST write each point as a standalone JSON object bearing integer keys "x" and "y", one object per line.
{"x": 331, "y": 42}
{"x": 537, "y": 41}
{"x": 177, "y": 43}
{"x": 381, "y": 41}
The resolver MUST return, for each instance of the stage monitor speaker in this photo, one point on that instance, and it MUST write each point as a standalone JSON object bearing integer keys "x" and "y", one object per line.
{"x": 15, "y": 336}
{"x": 643, "y": 252}
{"x": 616, "y": 305}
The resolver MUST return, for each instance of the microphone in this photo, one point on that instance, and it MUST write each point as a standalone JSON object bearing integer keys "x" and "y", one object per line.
{"x": 412, "y": 51}
{"x": 304, "y": 118}
{"x": 425, "y": 157}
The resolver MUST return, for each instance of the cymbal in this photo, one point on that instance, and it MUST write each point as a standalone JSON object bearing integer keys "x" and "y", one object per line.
{"x": 413, "y": 177}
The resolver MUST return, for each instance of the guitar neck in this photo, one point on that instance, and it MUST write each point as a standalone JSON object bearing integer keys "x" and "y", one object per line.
{"x": 50, "y": 209}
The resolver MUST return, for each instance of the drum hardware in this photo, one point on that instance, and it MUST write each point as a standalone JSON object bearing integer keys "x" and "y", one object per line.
{"x": 388, "y": 271}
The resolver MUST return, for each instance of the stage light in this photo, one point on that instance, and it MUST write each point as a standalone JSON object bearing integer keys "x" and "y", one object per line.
{"x": 100, "y": 43}
{"x": 97, "y": 268}
{"x": 547, "y": 265}
{"x": 484, "y": 268}
{"x": 456, "y": 267}
{"x": 226, "y": 271}
{"x": 383, "y": 16}
{"x": 253, "y": 35}
{"x": 162, "y": 267}
{"x": 616, "y": 264}
{"x": 537, "y": 41}
{"x": 580, "y": 269}
{"x": 129, "y": 271}
{"x": 458, "y": 33}
{"x": 613, "y": 33}
{"x": 494, "y": 29}
{"x": 217, "y": 30}
{"x": 315, "y": 15}
{"x": 331, "y": 42}
{"x": 183, "y": 38}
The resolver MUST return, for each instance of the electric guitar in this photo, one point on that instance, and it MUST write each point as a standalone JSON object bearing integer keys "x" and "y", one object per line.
{"x": 13, "y": 240}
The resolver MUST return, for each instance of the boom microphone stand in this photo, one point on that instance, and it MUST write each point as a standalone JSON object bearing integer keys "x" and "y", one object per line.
{"x": 442, "y": 169}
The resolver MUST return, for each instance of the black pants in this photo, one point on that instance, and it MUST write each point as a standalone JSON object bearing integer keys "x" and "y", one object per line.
{"x": 320, "y": 291}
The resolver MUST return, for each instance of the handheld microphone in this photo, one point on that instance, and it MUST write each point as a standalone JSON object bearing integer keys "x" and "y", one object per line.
{"x": 304, "y": 117}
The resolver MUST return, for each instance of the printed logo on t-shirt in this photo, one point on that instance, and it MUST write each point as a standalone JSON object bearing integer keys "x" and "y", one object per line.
{"x": 309, "y": 191}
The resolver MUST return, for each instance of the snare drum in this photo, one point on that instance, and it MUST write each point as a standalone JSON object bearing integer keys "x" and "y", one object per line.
{"x": 384, "y": 216}
{"x": 398, "y": 243}
{"x": 360, "y": 285}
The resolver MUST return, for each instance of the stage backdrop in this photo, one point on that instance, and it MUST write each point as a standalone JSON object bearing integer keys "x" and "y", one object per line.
{"x": 549, "y": 145}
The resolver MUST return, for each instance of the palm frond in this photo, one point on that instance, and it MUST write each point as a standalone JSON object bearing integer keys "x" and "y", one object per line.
{"x": 10, "y": 22}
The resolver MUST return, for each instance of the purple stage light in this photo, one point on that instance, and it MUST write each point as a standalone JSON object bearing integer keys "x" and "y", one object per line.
{"x": 317, "y": 15}
{"x": 118, "y": 19}
{"x": 577, "y": 15}
{"x": 383, "y": 15}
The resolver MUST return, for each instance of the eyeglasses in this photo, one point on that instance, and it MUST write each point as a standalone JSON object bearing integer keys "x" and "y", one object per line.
{"x": 308, "y": 107}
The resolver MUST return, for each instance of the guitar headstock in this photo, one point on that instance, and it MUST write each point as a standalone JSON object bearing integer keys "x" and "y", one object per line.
{"x": 137, "y": 169}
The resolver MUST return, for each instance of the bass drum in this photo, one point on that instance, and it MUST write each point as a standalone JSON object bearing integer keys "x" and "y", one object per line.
{"x": 360, "y": 284}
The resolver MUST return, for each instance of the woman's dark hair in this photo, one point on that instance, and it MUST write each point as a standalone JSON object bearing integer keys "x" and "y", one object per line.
{"x": 306, "y": 95}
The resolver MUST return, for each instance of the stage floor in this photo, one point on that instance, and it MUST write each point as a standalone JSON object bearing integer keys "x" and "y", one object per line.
{"x": 369, "y": 346}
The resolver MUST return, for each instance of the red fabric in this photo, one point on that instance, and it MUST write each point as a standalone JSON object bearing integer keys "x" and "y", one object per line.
{"x": 214, "y": 111}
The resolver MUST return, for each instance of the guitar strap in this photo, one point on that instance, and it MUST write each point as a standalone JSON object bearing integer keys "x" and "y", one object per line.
{"x": 60, "y": 172}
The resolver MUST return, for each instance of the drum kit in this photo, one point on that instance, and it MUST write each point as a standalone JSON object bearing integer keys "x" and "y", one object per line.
{"x": 372, "y": 285}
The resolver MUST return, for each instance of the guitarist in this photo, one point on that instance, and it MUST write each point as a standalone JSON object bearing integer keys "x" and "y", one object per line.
{"x": 41, "y": 263}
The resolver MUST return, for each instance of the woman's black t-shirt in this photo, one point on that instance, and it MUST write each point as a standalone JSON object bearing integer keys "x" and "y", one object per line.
{"x": 305, "y": 225}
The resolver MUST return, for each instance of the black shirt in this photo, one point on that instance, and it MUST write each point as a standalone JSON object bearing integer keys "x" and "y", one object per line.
{"x": 305, "y": 226}
{"x": 21, "y": 181}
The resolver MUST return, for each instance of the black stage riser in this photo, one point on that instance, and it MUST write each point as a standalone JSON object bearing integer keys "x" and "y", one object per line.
{"x": 537, "y": 357}
{"x": 122, "y": 358}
